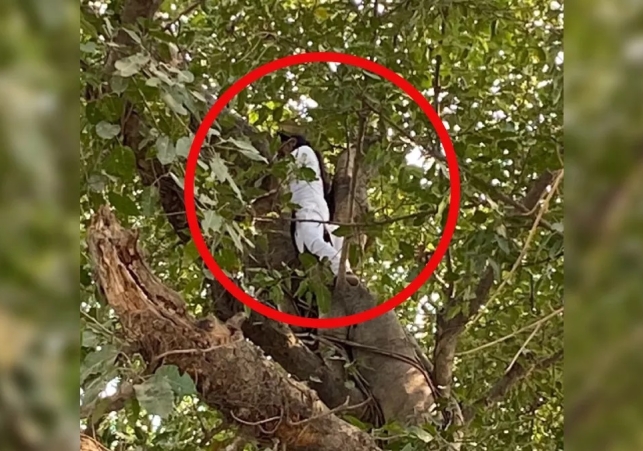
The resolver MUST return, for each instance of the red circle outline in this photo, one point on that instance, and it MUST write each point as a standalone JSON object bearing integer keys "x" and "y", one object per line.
{"x": 324, "y": 57}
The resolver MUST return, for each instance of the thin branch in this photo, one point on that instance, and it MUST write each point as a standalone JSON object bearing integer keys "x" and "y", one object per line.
{"x": 530, "y": 237}
{"x": 337, "y": 409}
{"x": 185, "y": 12}
{"x": 491, "y": 191}
{"x": 348, "y": 224}
{"x": 522, "y": 348}
{"x": 536, "y": 323}
{"x": 341, "y": 277}
{"x": 508, "y": 381}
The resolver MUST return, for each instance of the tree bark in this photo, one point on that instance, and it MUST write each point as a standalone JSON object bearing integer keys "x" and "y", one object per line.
{"x": 231, "y": 374}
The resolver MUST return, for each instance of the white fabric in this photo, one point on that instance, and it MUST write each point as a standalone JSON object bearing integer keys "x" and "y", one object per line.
{"x": 309, "y": 235}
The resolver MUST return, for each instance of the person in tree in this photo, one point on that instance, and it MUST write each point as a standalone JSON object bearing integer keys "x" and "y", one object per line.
{"x": 310, "y": 228}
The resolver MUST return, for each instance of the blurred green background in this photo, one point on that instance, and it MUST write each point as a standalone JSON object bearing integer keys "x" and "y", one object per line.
{"x": 38, "y": 256}
{"x": 604, "y": 220}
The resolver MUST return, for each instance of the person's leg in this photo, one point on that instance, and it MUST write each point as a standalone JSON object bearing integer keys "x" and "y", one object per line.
{"x": 310, "y": 236}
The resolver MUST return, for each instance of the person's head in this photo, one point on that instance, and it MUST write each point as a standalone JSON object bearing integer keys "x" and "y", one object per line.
{"x": 290, "y": 142}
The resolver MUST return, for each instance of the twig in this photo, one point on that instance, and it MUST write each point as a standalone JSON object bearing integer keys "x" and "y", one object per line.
{"x": 508, "y": 381}
{"x": 185, "y": 12}
{"x": 341, "y": 277}
{"x": 392, "y": 354}
{"x": 537, "y": 323}
{"x": 347, "y": 224}
{"x": 333, "y": 411}
{"x": 254, "y": 423}
{"x": 490, "y": 190}
{"x": 528, "y": 241}
{"x": 522, "y": 348}
{"x": 186, "y": 351}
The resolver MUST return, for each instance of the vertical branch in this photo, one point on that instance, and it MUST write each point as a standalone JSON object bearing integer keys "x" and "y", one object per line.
{"x": 352, "y": 163}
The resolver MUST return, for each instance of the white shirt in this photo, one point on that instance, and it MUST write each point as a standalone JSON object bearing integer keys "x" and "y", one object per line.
{"x": 310, "y": 198}
{"x": 309, "y": 195}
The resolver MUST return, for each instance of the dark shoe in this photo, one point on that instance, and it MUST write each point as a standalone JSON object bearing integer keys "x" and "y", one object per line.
{"x": 351, "y": 279}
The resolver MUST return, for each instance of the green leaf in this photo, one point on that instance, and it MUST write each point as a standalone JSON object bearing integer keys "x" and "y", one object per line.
{"x": 90, "y": 339}
{"x": 343, "y": 231}
{"x": 185, "y": 76}
{"x": 421, "y": 434}
{"x": 97, "y": 182}
{"x": 106, "y": 130}
{"x": 131, "y": 65}
{"x": 211, "y": 222}
{"x": 162, "y": 76}
{"x": 277, "y": 113}
{"x": 133, "y": 409}
{"x": 88, "y": 47}
{"x": 479, "y": 217}
{"x": 322, "y": 295}
{"x": 321, "y": 14}
{"x": 308, "y": 260}
{"x": 220, "y": 172}
{"x": 120, "y": 163}
{"x": 235, "y": 237}
{"x": 182, "y": 385}
{"x": 355, "y": 422}
{"x": 247, "y": 149}
{"x": 149, "y": 200}
{"x": 276, "y": 295}
{"x": 156, "y": 396}
{"x": 372, "y": 75}
{"x": 98, "y": 362}
{"x": 183, "y": 146}
{"x": 118, "y": 84}
{"x": 123, "y": 204}
{"x": 174, "y": 103}
{"x": 219, "y": 168}
{"x": 190, "y": 252}
{"x": 153, "y": 82}
{"x": 165, "y": 151}
{"x": 92, "y": 389}
{"x": 132, "y": 34}
{"x": 503, "y": 244}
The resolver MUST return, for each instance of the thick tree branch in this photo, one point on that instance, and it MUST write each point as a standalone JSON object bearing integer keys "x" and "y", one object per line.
{"x": 274, "y": 338}
{"x": 537, "y": 190}
{"x": 89, "y": 444}
{"x": 231, "y": 374}
{"x": 450, "y": 328}
{"x": 402, "y": 386}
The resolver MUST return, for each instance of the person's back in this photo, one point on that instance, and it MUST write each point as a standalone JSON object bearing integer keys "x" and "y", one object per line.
{"x": 309, "y": 195}
{"x": 311, "y": 230}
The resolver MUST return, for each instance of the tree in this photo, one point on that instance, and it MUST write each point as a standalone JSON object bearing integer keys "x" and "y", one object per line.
{"x": 472, "y": 361}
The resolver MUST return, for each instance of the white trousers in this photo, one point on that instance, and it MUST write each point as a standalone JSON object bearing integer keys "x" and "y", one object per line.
{"x": 309, "y": 236}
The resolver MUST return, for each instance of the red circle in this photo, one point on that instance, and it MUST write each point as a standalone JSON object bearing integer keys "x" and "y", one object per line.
{"x": 323, "y": 57}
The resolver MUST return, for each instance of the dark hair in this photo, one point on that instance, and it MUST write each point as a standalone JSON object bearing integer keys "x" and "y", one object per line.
{"x": 328, "y": 189}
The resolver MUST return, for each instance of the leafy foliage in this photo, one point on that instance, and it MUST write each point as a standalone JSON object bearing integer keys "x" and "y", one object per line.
{"x": 492, "y": 69}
